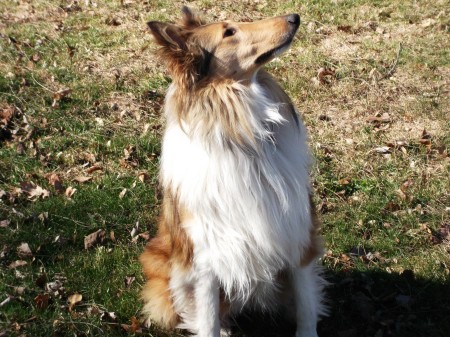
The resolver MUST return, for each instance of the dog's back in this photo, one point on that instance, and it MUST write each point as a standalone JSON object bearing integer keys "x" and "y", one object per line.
{"x": 237, "y": 222}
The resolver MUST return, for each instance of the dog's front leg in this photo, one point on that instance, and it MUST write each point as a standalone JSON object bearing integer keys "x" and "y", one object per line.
{"x": 207, "y": 305}
{"x": 308, "y": 287}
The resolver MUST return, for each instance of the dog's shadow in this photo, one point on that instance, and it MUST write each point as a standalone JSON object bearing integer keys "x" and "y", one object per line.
{"x": 374, "y": 303}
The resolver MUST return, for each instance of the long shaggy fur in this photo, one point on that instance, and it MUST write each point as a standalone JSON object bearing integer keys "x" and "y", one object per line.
{"x": 238, "y": 226}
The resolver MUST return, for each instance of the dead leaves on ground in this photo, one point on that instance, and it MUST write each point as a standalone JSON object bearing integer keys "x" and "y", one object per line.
{"x": 17, "y": 264}
{"x": 4, "y": 223}
{"x": 6, "y": 114}
{"x": 94, "y": 239}
{"x": 41, "y": 301}
{"x": 433, "y": 150}
{"x": 56, "y": 182}
{"x": 134, "y": 327}
{"x": 348, "y": 260}
{"x": 33, "y": 191}
{"x": 24, "y": 251}
{"x": 59, "y": 95}
{"x": 82, "y": 179}
{"x": 74, "y": 300}
{"x": 325, "y": 76}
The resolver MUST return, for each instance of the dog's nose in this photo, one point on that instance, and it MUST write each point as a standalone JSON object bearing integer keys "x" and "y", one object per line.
{"x": 294, "y": 19}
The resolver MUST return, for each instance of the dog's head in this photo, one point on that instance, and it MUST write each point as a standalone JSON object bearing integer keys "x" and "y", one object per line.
{"x": 194, "y": 50}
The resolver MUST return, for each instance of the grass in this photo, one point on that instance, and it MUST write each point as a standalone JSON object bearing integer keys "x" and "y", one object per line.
{"x": 384, "y": 212}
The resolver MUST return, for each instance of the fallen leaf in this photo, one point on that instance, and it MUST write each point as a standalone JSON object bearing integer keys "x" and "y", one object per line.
{"x": 35, "y": 58}
{"x": 134, "y": 232}
{"x": 70, "y": 191}
{"x": 4, "y": 252}
{"x": 4, "y": 223}
{"x": 17, "y": 263}
{"x": 24, "y": 251}
{"x": 382, "y": 150}
{"x": 41, "y": 301}
{"x": 143, "y": 177}
{"x": 122, "y": 194}
{"x": 344, "y": 181}
{"x": 81, "y": 179}
{"x": 129, "y": 280}
{"x": 402, "y": 195}
{"x": 135, "y": 326}
{"x": 19, "y": 290}
{"x": 145, "y": 236}
{"x": 43, "y": 217}
{"x": 385, "y": 118}
{"x": 73, "y": 300}
{"x": 94, "y": 238}
{"x": 94, "y": 168}
{"x": 441, "y": 235}
{"x": 425, "y": 139}
{"x": 54, "y": 287}
{"x": 57, "y": 96}
{"x": 146, "y": 127}
{"x": 129, "y": 152}
{"x": 6, "y": 114}
{"x": 34, "y": 191}
{"x": 3, "y": 194}
{"x": 397, "y": 144}
{"x": 54, "y": 180}
{"x": 322, "y": 73}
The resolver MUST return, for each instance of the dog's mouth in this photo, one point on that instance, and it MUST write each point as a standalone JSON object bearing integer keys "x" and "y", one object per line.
{"x": 272, "y": 53}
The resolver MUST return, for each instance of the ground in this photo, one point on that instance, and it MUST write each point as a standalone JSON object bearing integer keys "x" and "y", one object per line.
{"x": 80, "y": 128}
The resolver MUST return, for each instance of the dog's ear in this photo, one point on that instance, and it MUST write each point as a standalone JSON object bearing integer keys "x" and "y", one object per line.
{"x": 186, "y": 61}
{"x": 191, "y": 19}
{"x": 168, "y": 35}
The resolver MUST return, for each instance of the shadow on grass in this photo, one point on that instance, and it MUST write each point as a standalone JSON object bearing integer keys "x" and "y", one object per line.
{"x": 372, "y": 303}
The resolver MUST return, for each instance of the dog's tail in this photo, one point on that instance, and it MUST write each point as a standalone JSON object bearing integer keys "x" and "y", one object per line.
{"x": 158, "y": 304}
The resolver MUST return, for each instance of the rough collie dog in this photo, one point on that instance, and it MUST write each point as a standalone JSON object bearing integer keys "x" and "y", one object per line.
{"x": 237, "y": 227}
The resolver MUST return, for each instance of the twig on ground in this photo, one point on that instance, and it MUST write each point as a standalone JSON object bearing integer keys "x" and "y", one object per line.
{"x": 394, "y": 65}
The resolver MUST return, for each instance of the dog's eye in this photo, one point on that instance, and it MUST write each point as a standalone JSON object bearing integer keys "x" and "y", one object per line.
{"x": 229, "y": 32}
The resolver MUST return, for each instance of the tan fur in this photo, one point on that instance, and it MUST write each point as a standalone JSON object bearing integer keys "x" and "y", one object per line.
{"x": 170, "y": 246}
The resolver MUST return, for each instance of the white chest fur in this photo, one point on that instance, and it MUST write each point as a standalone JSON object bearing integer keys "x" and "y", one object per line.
{"x": 251, "y": 210}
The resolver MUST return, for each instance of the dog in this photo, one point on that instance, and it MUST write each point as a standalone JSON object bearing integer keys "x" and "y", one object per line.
{"x": 237, "y": 227}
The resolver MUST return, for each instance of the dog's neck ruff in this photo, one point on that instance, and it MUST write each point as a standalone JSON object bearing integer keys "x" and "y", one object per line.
{"x": 236, "y": 159}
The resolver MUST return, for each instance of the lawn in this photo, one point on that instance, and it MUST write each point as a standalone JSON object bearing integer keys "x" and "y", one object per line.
{"x": 80, "y": 128}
